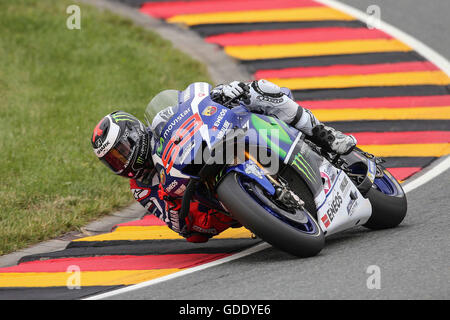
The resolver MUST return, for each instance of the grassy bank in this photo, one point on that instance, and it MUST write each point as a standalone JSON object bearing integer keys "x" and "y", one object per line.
{"x": 55, "y": 85}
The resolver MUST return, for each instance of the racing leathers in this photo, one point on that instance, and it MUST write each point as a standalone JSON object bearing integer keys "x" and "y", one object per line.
{"x": 264, "y": 97}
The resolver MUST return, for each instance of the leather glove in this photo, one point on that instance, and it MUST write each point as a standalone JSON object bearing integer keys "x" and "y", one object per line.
{"x": 233, "y": 90}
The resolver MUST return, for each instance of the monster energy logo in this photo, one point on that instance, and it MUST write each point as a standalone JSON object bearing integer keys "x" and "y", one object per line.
{"x": 140, "y": 160}
{"x": 159, "y": 150}
{"x": 122, "y": 117}
{"x": 304, "y": 167}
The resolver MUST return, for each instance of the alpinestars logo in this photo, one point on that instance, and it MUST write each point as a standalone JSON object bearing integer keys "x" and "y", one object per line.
{"x": 269, "y": 99}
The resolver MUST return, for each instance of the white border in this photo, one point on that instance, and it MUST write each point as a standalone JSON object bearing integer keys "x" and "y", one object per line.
{"x": 415, "y": 44}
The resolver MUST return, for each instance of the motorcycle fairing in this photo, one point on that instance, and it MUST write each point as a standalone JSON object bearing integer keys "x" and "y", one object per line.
{"x": 340, "y": 205}
{"x": 306, "y": 163}
{"x": 183, "y": 135}
{"x": 252, "y": 171}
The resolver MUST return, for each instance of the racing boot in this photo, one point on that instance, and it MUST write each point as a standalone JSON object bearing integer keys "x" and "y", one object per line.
{"x": 332, "y": 140}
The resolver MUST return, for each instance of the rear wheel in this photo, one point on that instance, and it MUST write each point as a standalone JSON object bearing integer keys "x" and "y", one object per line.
{"x": 388, "y": 201}
{"x": 293, "y": 231}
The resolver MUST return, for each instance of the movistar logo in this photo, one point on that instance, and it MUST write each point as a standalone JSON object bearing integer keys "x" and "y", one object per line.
{"x": 304, "y": 167}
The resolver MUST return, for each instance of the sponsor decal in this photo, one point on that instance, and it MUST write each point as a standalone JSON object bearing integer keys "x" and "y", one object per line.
{"x": 209, "y": 111}
{"x": 186, "y": 152}
{"x": 143, "y": 153}
{"x": 172, "y": 185}
{"x": 203, "y": 230}
{"x": 334, "y": 206}
{"x": 331, "y": 172}
{"x": 344, "y": 186}
{"x": 139, "y": 161}
{"x": 140, "y": 194}
{"x": 103, "y": 144}
{"x": 180, "y": 190}
{"x": 251, "y": 168}
{"x": 174, "y": 122}
{"x": 181, "y": 137}
{"x": 166, "y": 114}
{"x": 220, "y": 117}
{"x": 270, "y": 99}
{"x": 162, "y": 177}
{"x": 371, "y": 170}
{"x": 325, "y": 220}
{"x": 159, "y": 150}
{"x": 102, "y": 147}
{"x": 353, "y": 203}
{"x": 326, "y": 182}
{"x": 226, "y": 126}
{"x": 119, "y": 116}
{"x": 304, "y": 167}
{"x": 174, "y": 220}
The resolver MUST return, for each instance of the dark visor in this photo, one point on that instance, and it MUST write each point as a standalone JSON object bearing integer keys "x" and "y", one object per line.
{"x": 118, "y": 157}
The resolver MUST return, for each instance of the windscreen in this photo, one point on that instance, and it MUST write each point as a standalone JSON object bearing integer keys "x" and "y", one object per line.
{"x": 164, "y": 99}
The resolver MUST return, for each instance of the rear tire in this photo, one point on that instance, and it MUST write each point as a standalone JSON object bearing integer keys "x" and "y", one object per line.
{"x": 244, "y": 208}
{"x": 388, "y": 211}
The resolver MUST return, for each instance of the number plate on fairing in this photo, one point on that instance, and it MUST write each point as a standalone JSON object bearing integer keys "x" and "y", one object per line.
{"x": 340, "y": 204}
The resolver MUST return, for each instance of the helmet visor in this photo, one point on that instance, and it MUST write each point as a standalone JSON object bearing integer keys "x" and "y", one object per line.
{"x": 118, "y": 158}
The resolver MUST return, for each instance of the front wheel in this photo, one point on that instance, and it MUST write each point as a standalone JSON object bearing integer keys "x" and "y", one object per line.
{"x": 294, "y": 232}
{"x": 388, "y": 202}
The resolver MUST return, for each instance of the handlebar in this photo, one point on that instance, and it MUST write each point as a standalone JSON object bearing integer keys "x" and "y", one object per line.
{"x": 244, "y": 95}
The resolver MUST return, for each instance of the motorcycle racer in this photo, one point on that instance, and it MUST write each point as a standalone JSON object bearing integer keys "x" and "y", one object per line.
{"x": 124, "y": 144}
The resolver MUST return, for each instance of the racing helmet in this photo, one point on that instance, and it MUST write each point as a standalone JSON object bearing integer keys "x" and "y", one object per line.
{"x": 122, "y": 143}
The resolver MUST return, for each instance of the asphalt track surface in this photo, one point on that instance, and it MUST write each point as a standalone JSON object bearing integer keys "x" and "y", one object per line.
{"x": 413, "y": 258}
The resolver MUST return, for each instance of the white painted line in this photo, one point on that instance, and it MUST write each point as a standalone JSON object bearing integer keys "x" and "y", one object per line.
{"x": 246, "y": 252}
{"x": 415, "y": 44}
{"x": 436, "y": 170}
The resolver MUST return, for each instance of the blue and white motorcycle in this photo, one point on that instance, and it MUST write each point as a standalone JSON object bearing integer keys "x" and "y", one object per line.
{"x": 266, "y": 174}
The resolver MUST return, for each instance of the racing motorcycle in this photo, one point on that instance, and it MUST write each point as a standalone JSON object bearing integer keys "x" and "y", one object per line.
{"x": 217, "y": 155}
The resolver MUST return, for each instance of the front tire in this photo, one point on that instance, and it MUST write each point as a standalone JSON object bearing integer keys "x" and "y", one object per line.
{"x": 281, "y": 234}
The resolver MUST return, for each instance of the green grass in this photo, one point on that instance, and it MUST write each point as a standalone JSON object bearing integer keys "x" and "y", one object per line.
{"x": 55, "y": 85}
